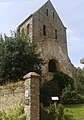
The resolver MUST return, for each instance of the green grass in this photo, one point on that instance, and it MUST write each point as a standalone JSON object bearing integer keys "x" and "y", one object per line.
{"x": 76, "y": 110}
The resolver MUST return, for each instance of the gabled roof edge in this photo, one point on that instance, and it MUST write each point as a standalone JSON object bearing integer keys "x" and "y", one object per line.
{"x": 32, "y": 15}
{"x": 25, "y": 20}
{"x": 37, "y": 11}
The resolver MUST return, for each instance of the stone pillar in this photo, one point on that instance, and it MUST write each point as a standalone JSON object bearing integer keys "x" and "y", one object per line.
{"x": 32, "y": 92}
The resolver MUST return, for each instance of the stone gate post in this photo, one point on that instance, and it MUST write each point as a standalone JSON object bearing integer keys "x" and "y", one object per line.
{"x": 32, "y": 91}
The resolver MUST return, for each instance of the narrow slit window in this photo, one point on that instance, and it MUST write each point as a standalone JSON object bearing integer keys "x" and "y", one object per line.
{"x": 47, "y": 12}
{"x": 53, "y": 15}
{"x": 55, "y": 34}
{"x": 28, "y": 27}
{"x": 44, "y": 29}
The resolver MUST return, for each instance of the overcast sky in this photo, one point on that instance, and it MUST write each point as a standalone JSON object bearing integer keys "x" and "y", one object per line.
{"x": 71, "y": 12}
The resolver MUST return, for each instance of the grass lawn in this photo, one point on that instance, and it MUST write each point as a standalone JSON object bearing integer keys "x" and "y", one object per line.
{"x": 76, "y": 110}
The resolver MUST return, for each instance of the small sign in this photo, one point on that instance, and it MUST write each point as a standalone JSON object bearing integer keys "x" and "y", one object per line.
{"x": 26, "y": 93}
{"x": 55, "y": 98}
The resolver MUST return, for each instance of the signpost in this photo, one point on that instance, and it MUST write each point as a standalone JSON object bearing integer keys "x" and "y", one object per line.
{"x": 55, "y": 99}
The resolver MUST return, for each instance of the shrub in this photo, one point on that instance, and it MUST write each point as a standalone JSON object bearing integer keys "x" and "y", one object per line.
{"x": 70, "y": 96}
{"x": 0, "y": 115}
{"x": 79, "y": 80}
{"x": 53, "y": 112}
{"x": 13, "y": 114}
{"x": 55, "y": 87}
{"x": 44, "y": 114}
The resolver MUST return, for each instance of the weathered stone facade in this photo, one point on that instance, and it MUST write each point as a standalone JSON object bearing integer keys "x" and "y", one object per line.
{"x": 32, "y": 96}
{"x": 48, "y": 31}
{"x": 11, "y": 95}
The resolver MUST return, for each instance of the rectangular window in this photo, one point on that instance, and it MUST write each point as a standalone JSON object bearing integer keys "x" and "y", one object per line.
{"x": 55, "y": 34}
{"x": 53, "y": 15}
{"x": 47, "y": 12}
{"x": 28, "y": 26}
{"x": 44, "y": 29}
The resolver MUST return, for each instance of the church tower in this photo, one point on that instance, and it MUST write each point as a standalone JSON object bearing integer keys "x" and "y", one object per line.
{"x": 46, "y": 29}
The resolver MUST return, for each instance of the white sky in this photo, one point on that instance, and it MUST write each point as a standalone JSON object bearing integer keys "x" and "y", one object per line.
{"x": 13, "y": 12}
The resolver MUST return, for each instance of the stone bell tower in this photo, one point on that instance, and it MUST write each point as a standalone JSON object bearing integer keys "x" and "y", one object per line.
{"x": 46, "y": 29}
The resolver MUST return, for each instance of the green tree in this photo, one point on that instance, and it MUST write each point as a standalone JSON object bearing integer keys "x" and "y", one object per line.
{"x": 18, "y": 56}
{"x": 70, "y": 96}
{"x": 1, "y": 54}
{"x": 80, "y": 80}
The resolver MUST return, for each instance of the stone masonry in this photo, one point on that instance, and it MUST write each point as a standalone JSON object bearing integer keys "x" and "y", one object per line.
{"x": 11, "y": 95}
{"x": 32, "y": 93}
{"x": 27, "y": 91}
{"x": 46, "y": 29}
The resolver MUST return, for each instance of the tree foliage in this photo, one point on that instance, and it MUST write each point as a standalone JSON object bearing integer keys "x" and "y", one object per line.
{"x": 80, "y": 80}
{"x": 53, "y": 112}
{"x": 70, "y": 96}
{"x": 18, "y": 56}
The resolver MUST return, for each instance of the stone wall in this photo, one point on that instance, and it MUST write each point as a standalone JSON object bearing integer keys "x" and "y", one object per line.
{"x": 27, "y": 91}
{"x": 11, "y": 95}
{"x": 41, "y": 18}
{"x": 49, "y": 46}
{"x": 24, "y": 26}
{"x": 51, "y": 50}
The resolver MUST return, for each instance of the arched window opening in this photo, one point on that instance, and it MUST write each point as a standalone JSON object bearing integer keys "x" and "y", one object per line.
{"x": 28, "y": 26}
{"x": 52, "y": 65}
{"x": 47, "y": 12}
{"x": 44, "y": 29}
{"x": 55, "y": 34}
